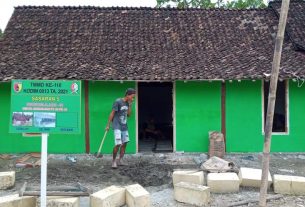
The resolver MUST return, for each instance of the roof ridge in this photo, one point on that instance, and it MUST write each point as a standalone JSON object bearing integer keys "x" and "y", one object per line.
{"x": 135, "y": 8}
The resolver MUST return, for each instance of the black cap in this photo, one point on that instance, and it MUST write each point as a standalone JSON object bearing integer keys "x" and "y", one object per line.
{"x": 130, "y": 91}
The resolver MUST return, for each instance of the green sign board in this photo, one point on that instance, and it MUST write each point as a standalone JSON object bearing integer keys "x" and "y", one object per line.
{"x": 45, "y": 106}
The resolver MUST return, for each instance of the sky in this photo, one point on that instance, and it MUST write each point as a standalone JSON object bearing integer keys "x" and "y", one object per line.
{"x": 7, "y": 6}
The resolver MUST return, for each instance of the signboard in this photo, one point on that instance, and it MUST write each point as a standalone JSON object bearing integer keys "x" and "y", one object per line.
{"x": 45, "y": 106}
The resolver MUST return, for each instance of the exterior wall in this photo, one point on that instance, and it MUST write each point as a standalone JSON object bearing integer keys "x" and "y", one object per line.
{"x": 102, "y": 94}
{"x": 16, "y": 143}
{"x": 244, "y": 116}
{"x": 198, "y": 111}
{"x": 244, "y": 119}
{"x": 295, "y": 140}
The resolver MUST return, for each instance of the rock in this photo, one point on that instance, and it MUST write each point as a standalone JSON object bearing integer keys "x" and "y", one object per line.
{"x": 301, "y": 157}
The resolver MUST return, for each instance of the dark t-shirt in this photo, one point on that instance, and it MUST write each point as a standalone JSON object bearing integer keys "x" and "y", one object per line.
{"x": 120, "y": 116}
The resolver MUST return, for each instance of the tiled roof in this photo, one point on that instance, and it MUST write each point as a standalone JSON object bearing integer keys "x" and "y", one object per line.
{"x": 92, "y": 43}
{"x": 295, "y": 21}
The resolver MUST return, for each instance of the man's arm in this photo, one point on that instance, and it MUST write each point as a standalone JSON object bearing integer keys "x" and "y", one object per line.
{"x": 110, "y": 119}
{"x": 129, "y": 109}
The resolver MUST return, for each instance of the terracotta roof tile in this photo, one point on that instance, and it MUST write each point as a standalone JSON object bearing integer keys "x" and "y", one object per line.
{"x": 92, "y": 43}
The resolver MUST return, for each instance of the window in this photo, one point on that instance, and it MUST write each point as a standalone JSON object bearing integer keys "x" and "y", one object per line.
{"x": 280, "y": 120}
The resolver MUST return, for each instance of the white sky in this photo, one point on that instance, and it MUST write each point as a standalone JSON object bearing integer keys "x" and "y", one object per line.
{"x": 7, "y": 6}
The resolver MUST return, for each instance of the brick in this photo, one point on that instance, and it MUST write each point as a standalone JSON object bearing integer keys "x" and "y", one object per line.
{"x": 223, "y": 182}
{"x": 112, "y": 196}
{"x": 190, "y": 176}
{"x": 63, "y": 202}
{"x": 16, "y": 201}
{"x": 7, "y": 179}
{"x": 137, "y": 196}
{"x": 193, "y": 194}
{"x": 252, "y": 177}
{"x": 291, "y": 185}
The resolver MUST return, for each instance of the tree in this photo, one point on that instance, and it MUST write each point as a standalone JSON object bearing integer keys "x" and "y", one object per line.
{"x": 237, "y": 4}
{"x": 1, "y": 33}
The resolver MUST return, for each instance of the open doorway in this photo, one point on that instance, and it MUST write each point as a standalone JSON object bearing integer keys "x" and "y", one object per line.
{"x": 155, "y": 117}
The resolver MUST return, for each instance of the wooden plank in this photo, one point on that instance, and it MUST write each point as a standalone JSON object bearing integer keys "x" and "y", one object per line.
{"x": 56, "y": 193}
{"x": 22, "y": 189}
{"x": 24, "y": 158}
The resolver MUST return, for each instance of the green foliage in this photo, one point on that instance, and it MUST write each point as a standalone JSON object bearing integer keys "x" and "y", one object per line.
{"x": 230, "y": 4}
{"x": 1, "y": 33}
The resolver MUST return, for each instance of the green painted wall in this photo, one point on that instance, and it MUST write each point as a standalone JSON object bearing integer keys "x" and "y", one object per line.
{"x": 16, "y": 143}
{"x": 198, "y": 111}
{"x": 244, "y": 116}
{"x": 102, "y": 94}
{"x": 295, "y": 140}
{"x": 244, "y": 119}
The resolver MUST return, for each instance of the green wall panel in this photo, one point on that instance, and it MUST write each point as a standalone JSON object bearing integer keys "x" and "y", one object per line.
{"x": 294, "y": 141}
{"x": 244, "y": 116}
{"x": 198, "y": 111}
{"x": 244, "y": 119}
{"x": 16, "y": 143}
{"x": 102, "y": 94}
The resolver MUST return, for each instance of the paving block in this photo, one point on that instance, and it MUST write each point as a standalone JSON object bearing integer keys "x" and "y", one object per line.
{"x": 252, "y": 177}
{"x": 16, "y": 201}
{"x": 7, "y": 179}
{"x": 137, "y": 196}
{"x": 190, "y": 176}
{"x": 292, "y": 185}
{"x": 191, "y": 193}
{"x": 113, "y": 196}
{"x": 63, "y": 202}
{"x": 223, "y": 182}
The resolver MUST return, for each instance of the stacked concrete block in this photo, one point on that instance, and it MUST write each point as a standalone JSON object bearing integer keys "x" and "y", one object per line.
{"x": 252, "y": 177}
{"x": 16, "y": 201}
{"x": 7, "y": 179}
{"x": 292, "y": 185}
{"x": 190, "y": 176}
{"x": 113, "y": 196}
{"x": 137, "y": 196}
{"x": 223, "y": 182}
{"x": 63, "y": 202}
{"x": 193, "y": 194}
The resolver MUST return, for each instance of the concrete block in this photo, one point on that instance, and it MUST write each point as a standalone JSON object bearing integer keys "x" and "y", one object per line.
{"x": 16, "y": 201}
{"x": 282, "y": 184}
{"x": 223, "y": 182}
{"x": 112, "y": 196}
{"x": 190, "y": 176}
{"x": 193, "y": 194}
{"x": 252, "y": 177}
{"x": 137, "y": 196}
{"x": 63, "y": 202}
{"x": 7, "y": 179}
{"x": 292, "y": 185}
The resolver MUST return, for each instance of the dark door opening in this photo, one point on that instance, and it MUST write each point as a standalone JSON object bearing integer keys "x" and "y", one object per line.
{"x": 155, "y": 117}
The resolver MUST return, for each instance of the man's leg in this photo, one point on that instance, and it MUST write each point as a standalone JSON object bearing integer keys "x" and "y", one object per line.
{"x": 125, "y": 140}
{"x": 114, "y": 154}
{"x": 122, "y": 150}
{"x": 117, "y": 142}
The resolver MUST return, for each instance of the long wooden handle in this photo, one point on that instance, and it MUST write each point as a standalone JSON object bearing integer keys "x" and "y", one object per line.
{"x": 101, "y": 145}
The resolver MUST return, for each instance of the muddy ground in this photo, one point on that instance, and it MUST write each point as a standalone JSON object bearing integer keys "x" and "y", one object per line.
{"x": 152, "y": 171}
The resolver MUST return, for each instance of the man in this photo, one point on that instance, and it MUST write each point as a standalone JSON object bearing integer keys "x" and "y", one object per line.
{"x": 120, "y": 110}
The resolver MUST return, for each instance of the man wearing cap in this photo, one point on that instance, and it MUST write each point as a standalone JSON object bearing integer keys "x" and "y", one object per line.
{"x": 121, "y": 108}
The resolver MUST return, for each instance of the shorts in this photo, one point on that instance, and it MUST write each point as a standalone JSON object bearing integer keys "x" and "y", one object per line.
{"x": 120, "y": 137}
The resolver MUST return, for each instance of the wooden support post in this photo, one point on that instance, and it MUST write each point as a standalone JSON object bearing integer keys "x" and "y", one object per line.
{"x": 271, "y": 101}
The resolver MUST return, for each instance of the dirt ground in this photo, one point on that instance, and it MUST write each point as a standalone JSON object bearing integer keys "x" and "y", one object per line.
{"x": 152, "y": 171}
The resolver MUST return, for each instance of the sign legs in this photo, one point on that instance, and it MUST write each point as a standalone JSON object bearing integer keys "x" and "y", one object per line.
{"x": 43, "y": 175}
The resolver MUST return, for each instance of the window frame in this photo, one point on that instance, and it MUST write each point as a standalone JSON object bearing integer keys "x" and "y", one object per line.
{"x": 287, "y": 127}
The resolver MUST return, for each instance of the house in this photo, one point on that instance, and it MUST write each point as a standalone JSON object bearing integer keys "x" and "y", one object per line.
{"x": 195, "y": 71}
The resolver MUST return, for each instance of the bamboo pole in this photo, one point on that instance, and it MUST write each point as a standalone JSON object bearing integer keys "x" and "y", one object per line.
{"x": 271, "y": 101}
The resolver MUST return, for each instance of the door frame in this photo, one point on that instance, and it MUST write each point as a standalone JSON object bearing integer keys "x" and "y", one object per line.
{"x": 173, "y": 112}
